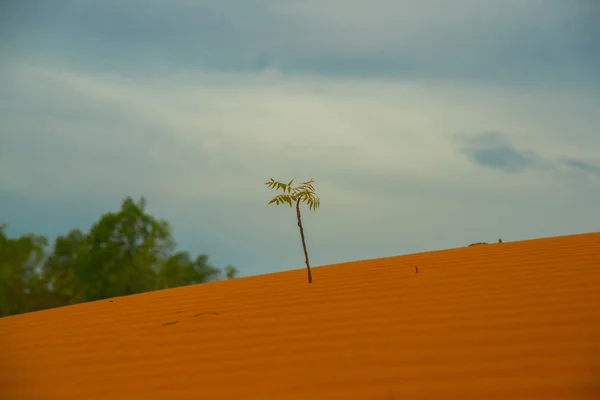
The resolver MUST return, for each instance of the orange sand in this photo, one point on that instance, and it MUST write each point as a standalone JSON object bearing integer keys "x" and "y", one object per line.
{"x": 517, "y": 320}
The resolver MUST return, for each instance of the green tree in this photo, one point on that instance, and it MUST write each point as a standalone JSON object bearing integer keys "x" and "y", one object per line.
{"x": 20, "y": 259}
{"x": 230, "y": 272}
{"x": 305, "y": 192}
{"x": 180, "y": 270}
{"x": 62, "y": 267}
{"x": 124, "y": 252}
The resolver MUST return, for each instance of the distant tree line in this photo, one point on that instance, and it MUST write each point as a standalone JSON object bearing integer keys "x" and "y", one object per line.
{"x": 123, "y": 253}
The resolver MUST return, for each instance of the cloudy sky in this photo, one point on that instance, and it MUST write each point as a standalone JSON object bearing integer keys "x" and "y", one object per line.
{"x": 427, "y": 124}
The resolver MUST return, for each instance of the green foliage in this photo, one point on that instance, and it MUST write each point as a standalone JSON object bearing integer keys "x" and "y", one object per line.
{"x": 180, "y": 270}
{"x": 305, "y": 193}
{"x": 124, "y": 253}
{"x": 230, "y": 272}
{"x": 19, "y": 259}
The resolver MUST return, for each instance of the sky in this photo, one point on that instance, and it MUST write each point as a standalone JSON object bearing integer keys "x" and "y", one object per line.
{"x": 427, "y": 125}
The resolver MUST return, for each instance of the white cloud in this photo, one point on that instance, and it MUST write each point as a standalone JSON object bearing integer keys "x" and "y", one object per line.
{"x": 200, "y": 145}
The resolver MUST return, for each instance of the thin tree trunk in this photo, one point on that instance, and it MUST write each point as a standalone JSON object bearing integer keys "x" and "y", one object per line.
{"x": 303, "y": 241}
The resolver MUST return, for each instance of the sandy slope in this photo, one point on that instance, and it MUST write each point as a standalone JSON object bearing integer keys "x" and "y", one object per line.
{"x": 516, "y": 320}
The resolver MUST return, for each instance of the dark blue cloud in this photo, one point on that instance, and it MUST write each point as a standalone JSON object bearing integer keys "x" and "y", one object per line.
{"x": 247, "y": 35}
{"x": 582, "y": 166}
{"x": 503, "y": 158}
{"x": 494, "y": 150}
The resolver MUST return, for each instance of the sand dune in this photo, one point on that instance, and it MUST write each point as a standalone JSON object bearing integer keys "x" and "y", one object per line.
{"x": 512, "y": 320}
